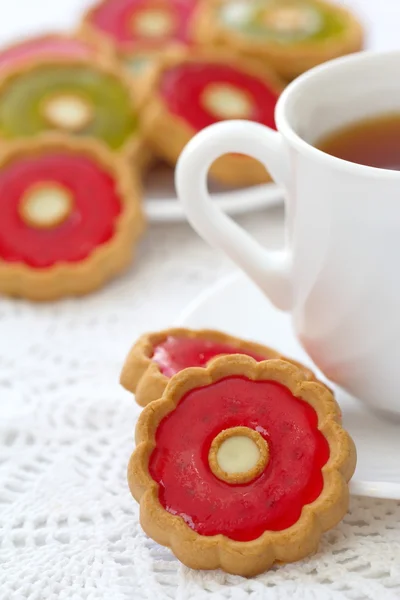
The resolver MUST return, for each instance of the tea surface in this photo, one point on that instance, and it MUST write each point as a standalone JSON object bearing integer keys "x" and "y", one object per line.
{"x": 374, "y": 142}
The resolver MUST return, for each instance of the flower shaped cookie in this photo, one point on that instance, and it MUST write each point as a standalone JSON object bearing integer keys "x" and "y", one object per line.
{"x": 240, "y": 465}
{"x": 70, "y": 216}
{"x": 190, "y": 91}
{"x": 84, "y": 98}
{"x": 292, "y": 35}
{"x": 140, "y": 29}
{"x": 156, "y": 357}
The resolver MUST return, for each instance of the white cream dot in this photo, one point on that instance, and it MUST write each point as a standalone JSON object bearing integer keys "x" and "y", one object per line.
{"x": 46, "y": 205}
{"x": 153, "y": 23}
{"x": 291, "y": 19}
{"x": 227, "y": 102}
{"x": 238, "y": 13}
{"x": 238, "y": 454}
{"x": 68, "y": 111}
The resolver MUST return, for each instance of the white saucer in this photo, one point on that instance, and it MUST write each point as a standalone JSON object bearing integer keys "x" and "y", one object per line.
{"x": 161, "y": 203}
{"x": 235, "y": 305}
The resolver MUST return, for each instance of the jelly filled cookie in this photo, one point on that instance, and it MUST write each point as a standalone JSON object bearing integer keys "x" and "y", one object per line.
{"x": 240, "y": 465}
{"x": 77, "y": 97}
{"x": 158, "y": 356}
{"x": 140, "y": 30}
{"x": 291, "y": 35}
{"x": 46, "y": 46}
{"x": 70, "y": 216}
{"x": 190, "y": 92}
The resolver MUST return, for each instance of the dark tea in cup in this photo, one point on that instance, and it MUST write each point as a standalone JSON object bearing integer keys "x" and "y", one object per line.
{"x": 374, "y": 142}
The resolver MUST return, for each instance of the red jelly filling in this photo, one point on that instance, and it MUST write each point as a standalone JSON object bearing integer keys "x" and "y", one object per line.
{"x": 117, "y": 19}
{"x": 43, "y": 47}
{"x": 177, "y": 353}
{"x": 96, "y": 206}
{"x": 274, "y": 500}
{"x": 182, "y": 89}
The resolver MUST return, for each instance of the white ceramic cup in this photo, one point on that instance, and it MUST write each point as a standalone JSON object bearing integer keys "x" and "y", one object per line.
{"x": 339, "y": 272}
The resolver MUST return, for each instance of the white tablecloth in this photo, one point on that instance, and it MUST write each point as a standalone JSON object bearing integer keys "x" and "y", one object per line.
{"x": 68, "y": 525}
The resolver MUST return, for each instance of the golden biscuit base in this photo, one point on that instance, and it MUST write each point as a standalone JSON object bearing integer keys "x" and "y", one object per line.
{"x": 251, "y": 557}
{"x": 168, "y": 134}
{"x": 142, "y": 376}
{"x": 288, "y": 60}
{"x": 108, "y": 259}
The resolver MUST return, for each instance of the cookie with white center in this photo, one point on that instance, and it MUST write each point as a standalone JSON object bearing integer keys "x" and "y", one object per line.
{"x": 241, "y": 465}
{"x": 71, "y": 217}
{"x": 189, "y": 91}
{"x": 139, "y": 31}
{"x": 79, "y": 96}
{"x": 290, "y": 35}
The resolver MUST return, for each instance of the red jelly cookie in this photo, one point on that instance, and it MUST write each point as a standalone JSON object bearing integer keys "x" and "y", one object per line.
{"x": 190, "y": 92}
{"x": 70, "y": 216}
{"x": 141, "y": 29}
{"x": 240, "y": 465}
{"x": 158, "y": 356}
{"x": 52, "y": 45}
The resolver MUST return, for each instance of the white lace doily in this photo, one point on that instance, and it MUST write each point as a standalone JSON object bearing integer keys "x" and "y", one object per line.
{"x": 68, "y": 525}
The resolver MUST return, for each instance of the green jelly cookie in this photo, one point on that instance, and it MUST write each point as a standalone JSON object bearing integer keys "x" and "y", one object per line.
{"x": 283, "y": 22}
{"x": 75, "y": 98}
{"x": 290, "y": 35}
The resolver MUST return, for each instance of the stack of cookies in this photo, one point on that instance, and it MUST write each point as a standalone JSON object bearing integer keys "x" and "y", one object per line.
{"x": 241, "y": 461}
{"x": 70, "y": 166}
{"x": 82, "y": 116}
{"x": 203, "y": 61}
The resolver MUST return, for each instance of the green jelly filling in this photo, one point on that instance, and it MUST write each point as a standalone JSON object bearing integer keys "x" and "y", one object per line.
{"x": 251, "y": 19}
{"x": 22, "y": 99}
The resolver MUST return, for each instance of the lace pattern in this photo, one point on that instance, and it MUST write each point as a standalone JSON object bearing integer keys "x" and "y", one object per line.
{"x": 68, "y": 524}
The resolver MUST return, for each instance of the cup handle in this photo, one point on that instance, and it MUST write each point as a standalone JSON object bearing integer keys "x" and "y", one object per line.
{"x": 270, "y": 270}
